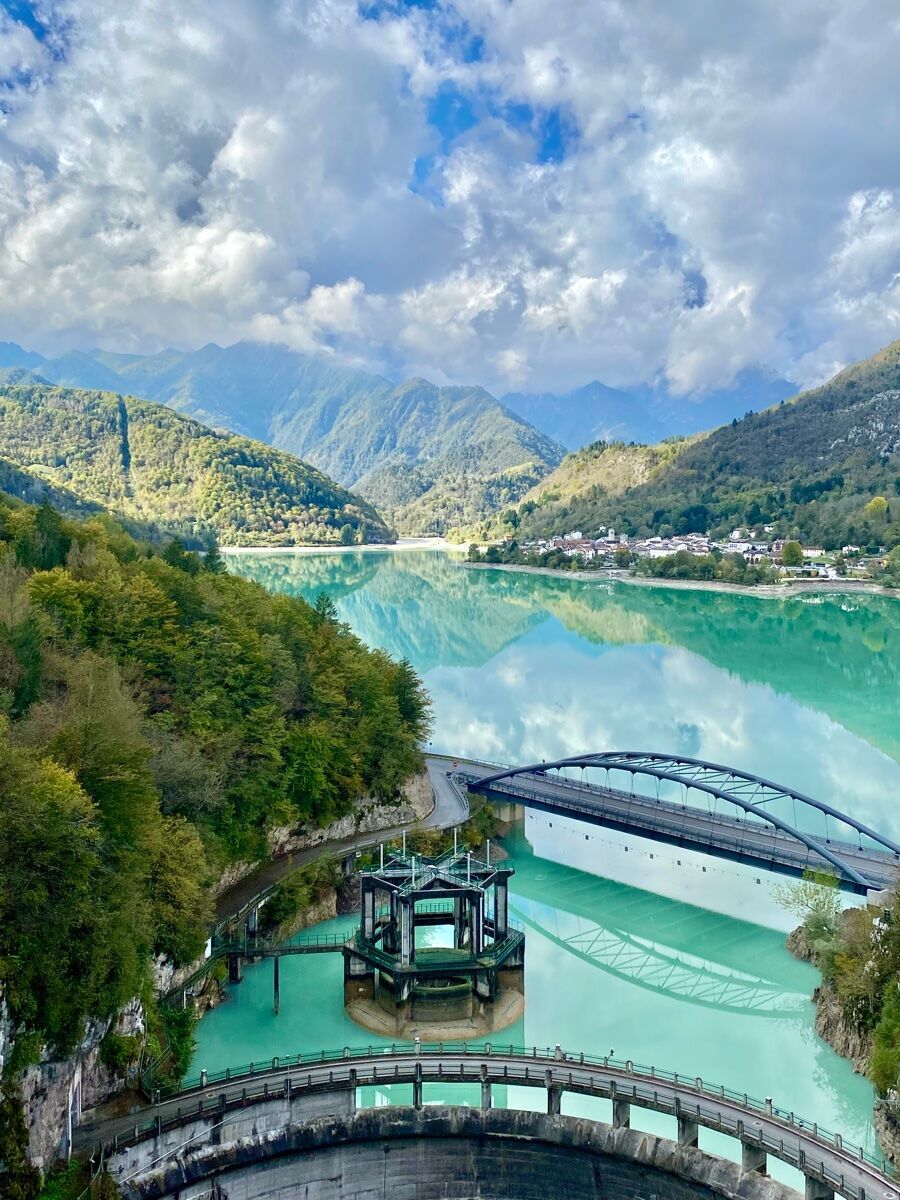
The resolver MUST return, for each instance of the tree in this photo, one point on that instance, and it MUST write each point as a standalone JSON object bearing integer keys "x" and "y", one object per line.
{"x": 792, "y": 554}
{"x": 816, "y": 900}
{"x": 325, "y": 609}
{"x": 177, "y": 555}
{"x": 622, "y": 557}
{"x": 347, "y": 537}
{"x": 877, "y": 510}
{"x": 474, "y": 554}
{"x": 840, "y": 564}
{"x": 492, "y": 555}
{"x": 884, "y": 1061}
{"x": 213, "y": 562}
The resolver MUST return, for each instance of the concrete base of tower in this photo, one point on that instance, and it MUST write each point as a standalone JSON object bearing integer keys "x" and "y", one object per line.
{"x": 437, "y": 1022}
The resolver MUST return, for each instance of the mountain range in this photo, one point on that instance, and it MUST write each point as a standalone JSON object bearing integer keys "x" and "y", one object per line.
{"x": 824, "y": 466}
{"x": 430, "y": 458}
{"x": 647, "y": 414}
{"x": 90, "y": 450}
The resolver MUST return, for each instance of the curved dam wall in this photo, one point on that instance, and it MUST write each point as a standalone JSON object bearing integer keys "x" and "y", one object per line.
{"x": 448, "y": 1153}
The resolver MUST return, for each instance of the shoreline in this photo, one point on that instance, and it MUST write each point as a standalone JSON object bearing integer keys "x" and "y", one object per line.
{"x": 764, "y": 591}
{"x": 401, "y": 544}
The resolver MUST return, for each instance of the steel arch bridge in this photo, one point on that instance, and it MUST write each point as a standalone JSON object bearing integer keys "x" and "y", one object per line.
{"x": 755, "y": 830}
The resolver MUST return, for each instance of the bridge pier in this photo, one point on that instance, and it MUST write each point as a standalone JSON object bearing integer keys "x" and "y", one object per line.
{"x": 554, "y": 1098}
{"x": 753, "y": 1159}
{"x": 276, "y": 983}
{"x": 688, "y": 1132}
{"x": 815, "y": 1189}
{"x": 417, "y": 1087}
{"x": 486, "y": 1095}
{"x": 235, "y": 964}
{"x": 621, "y": 1113}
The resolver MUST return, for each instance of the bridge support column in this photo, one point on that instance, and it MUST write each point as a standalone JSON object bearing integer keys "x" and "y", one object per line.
{"x": 216, "y": 1135}
{"x": 501, "y": 911}
{"x": 253, "y": 922}
{"x": 368, "y": 910}
{"x": 688, "y": 1132}
{"x": 554, "y": 1096}
{"x": 815, "y": 1189}
{"x": 235, "y": 963}
{"x": 621, "y": 1113}
{"x": 353, "y": 1086}
{"x": 407, "y": 934}
{"x": 276, "y": 983}
{"x": 753, "y": 1158}
{"x": 486, "y": 1096}
{"x": 417, "y": 1087}
{"x": 459, "y": 923}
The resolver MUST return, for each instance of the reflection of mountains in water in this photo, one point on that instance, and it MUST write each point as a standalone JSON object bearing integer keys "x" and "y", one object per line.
{"x": 833, "y": 654}
{"x": 836, "y": 654}
{"x": 417, "y": 605}
{"x": 661, "y": 945}
{"x": 307, "y": 574}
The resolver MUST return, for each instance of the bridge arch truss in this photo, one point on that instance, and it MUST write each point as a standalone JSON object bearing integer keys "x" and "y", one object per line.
{"x": 754, "y": 797}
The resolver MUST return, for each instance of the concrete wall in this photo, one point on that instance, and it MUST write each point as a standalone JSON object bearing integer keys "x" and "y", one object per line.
{"x": 443, "y": 1153}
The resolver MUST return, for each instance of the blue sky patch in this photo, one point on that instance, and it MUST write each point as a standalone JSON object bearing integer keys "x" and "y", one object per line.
{"x": 26, "y": 14}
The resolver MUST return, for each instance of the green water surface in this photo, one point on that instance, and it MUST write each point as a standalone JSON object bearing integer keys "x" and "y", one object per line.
{"x": 523, "y": 667}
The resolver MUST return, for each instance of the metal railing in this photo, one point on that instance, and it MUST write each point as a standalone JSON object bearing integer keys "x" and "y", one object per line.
{"x": 637, "y": 812}
{"x": 684, "y": 1095}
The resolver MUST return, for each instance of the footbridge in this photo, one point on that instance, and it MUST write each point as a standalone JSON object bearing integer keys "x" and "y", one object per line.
{"x": 696, "y": 805}
{"x": 265, "y": 1120}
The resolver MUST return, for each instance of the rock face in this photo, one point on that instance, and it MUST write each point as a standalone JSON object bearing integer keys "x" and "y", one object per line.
{"x": 415, "y": 802}
{"x": 831, "y": 1024}
{"x": 54, "y": 1091}
{"x": 886, "y": 1121}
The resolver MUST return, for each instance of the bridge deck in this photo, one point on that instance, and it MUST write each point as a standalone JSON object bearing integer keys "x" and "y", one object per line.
{"x": 688, "y": 826}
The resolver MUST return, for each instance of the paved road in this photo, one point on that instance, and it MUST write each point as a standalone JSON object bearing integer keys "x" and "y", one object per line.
{"x": 781, "y": 1134}
{"x": 449, "y": 810}
{"x": 681, "y": 825}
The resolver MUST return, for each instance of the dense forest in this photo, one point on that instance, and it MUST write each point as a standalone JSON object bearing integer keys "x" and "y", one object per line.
{"x": 824, "y": 468}
{"x": 149, "y": 464}
{"x": 158, "y": 715}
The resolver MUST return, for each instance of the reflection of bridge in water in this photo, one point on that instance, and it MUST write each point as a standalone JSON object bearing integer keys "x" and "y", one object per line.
{"x": 657, "y": 968}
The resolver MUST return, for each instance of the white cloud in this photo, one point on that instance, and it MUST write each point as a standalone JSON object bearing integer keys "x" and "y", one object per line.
{"x": 175, "y": 173}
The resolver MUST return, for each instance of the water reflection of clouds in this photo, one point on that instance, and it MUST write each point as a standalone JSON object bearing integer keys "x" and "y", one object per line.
{"x": 543, "y": 700}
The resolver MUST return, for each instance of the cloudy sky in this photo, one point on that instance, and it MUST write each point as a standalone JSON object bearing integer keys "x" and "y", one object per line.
{"x": 523, "y": 193}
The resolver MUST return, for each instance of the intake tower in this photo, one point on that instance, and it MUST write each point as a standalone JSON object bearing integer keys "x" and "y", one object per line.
{"x": 397, "y": 985}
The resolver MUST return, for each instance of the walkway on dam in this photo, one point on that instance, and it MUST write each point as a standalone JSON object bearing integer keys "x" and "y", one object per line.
{"x": 761, "y": 1127}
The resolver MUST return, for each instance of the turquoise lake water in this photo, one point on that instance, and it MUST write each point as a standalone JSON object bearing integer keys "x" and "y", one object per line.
{"x": 523, "y": 667}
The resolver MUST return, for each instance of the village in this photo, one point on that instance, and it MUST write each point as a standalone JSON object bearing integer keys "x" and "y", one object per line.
{"x": 610, "y": 549}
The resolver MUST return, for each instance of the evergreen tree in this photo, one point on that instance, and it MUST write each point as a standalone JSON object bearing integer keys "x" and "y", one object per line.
{"x": 325, "y": 608}
{"x": 213, "y": 562}
{"x": 176, "y": 555}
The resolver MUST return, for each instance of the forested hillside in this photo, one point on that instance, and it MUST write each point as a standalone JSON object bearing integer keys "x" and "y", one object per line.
{"x": 158, "y": 715}
{"x": 430, "y": 458}
{"x": 147, "y": 463}
{"x": 824, "y": 467}
{"x": 572, "y": 495}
